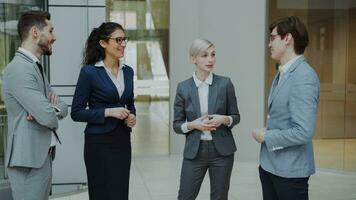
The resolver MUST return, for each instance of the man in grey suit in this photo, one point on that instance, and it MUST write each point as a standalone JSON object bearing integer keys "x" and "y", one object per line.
{"x": 33, "y": 111}
{"x": 286, "y": 157}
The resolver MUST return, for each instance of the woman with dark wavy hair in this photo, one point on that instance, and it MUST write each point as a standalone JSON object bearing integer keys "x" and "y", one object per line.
{"x": 104, "y": 99}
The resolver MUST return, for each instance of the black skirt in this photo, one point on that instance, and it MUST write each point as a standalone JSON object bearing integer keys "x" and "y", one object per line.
{"x": 107, "y": 159}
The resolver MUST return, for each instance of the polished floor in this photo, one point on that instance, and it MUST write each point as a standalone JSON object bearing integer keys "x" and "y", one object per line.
{"x": 157, "y": 178}
{"x": 151, "y": 135}
{"x": 155, "y": 174}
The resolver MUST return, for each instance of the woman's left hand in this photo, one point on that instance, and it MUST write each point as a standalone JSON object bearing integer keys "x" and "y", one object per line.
{"x": 218, "y": 120}
{"x": 131, "y": 120}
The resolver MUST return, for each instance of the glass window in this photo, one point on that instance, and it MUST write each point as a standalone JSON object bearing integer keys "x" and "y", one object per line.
{"x": 331, "y": 51}
{"x": 147, "y": 25}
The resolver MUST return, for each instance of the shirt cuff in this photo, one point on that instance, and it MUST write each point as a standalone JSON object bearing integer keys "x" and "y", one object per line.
{"x": 231, "y": 120}
{"x": 270, "y": 146}
{"x": 57, "y": 110}
{"x": 184, "y": 127}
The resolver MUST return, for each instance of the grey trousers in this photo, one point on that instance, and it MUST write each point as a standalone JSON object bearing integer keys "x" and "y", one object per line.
{"x": 31, "y": 183}
{"x": 193, "y": 172}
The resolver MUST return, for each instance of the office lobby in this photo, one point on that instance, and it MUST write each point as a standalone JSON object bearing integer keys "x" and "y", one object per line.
{"x": 160, "y": 33}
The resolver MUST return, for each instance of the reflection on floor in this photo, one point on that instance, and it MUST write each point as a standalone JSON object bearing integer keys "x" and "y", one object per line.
{"x": 157, "y": 178}
{"x": 337, "y": 154}
{"x": 151, "y": 134}
{"x": 151, "y": 137}
{"x": 155, "y": 174}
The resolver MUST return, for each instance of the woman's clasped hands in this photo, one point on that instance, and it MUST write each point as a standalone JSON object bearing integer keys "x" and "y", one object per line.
{"x": 207, "y": 122}
{"x": 123, "y": 114}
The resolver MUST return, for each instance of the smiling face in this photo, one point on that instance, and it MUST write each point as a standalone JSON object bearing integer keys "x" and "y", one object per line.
{"x": 205, "y": 60}
{"x": 46, "y": 39}
{"x": 114, "y": 47}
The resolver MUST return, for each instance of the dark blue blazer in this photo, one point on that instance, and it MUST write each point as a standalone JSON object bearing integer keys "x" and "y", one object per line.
{"x": 96, "y": 90}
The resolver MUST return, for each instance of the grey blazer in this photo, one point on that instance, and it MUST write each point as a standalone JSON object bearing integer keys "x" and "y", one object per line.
{"x": 222, "y": 100}
{"x": 25, "y": 92}
{"x": 292, "y": 110}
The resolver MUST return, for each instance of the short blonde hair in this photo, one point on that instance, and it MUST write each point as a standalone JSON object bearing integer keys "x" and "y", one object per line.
{"x": 198, "y": 46}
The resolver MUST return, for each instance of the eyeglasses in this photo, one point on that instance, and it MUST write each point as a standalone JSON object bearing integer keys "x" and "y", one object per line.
{"x": 119, "y": 40}
{"x": 272, "y": 37}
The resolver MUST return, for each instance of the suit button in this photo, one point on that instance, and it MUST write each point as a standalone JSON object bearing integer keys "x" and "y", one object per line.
{"x": 267, "y": 116}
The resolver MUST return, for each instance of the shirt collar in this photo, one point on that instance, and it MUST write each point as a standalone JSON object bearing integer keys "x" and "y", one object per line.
{"x": 284, "y": 68}
{"x": 208, "y": 80}
{"x": 29, "y": 54}
{"x": 101, "y": 64}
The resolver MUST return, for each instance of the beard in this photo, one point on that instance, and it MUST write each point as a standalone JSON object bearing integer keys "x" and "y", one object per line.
{"x": 43, "y": 45}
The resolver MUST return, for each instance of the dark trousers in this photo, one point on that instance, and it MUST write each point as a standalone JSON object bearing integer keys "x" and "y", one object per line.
{"x": 107, "y": 159}
{"x": 279, "y": 188}
{"x": 194, "y": 170}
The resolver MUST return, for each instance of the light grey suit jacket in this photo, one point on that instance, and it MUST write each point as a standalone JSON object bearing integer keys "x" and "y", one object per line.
{"x": 221, "y": 100}
{"x": 292, "y": 110}
{"x": 24, "y": 92}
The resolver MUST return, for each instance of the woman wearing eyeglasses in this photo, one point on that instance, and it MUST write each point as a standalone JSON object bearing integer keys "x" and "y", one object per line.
{"x": 104, "y": 99}
{"x": 205, "y": 111}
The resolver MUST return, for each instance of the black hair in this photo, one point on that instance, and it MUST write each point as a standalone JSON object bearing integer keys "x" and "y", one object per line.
{"x": 29, "y": 19}
{"x": 296, "y": 28}
{"x": 93, "y": 51}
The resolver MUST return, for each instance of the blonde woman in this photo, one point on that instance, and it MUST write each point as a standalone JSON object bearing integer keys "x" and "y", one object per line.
{"x": 205, "y": 111}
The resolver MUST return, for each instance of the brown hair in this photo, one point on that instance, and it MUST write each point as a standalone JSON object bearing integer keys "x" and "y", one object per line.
{"x": 296, "y": 28}
{"x": 30, "y": 19}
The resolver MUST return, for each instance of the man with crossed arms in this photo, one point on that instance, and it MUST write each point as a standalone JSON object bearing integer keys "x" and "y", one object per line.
{"x": 33, "y": 111}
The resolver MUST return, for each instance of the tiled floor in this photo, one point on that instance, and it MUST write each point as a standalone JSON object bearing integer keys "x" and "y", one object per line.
{"x": 157, "y": 178}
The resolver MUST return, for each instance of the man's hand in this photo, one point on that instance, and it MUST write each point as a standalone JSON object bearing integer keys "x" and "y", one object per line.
{"x": 53, "y": 98}
{"x": 200, "y": 124}
{"x": 30, "y": 117}
{"x": 218, "y": 120}
{"x": 131, "y": 120}
{"x": 259, "y": 135}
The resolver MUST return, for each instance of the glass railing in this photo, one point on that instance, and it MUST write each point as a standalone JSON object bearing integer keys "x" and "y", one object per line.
{"x": 3, "y": 133}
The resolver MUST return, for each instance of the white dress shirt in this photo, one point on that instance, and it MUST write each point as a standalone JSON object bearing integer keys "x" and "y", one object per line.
{"x": 35, "y": 59}
{"x": 203, "y": 92}
{"x": 284, "y": 68}
{"x": 117, "y": 80}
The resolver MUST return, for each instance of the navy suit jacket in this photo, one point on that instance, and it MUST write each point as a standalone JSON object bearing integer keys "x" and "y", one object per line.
{"x": 96, "y": 90}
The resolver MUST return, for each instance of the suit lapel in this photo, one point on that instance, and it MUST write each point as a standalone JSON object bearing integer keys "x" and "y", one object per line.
{"x": 127, "y": 81}
{"x": 274, "y": 83}
{"x": 213, "y": 95}
{"x": 42, "y": 80}
{"x": 37, "y": 70}
{"x": 107, "y": 81}
{"x": 194, "y": 97}
{"x": 283, "y": 79}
